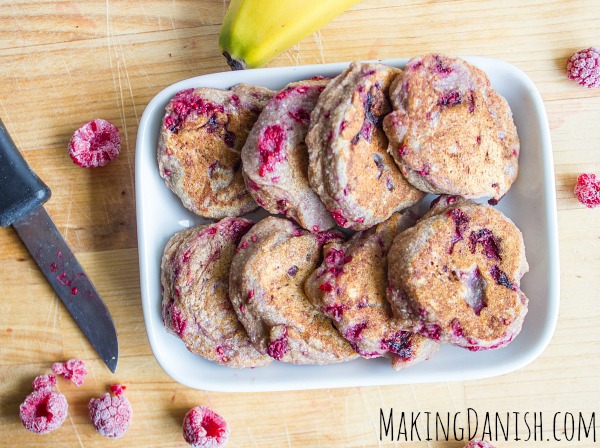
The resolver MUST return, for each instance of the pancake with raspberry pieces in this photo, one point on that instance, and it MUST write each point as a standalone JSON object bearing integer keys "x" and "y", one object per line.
{"x": 195, "y": 284}
{"x": 451, "y": 132}
{"x": 349, "y": 166}
{"x": 456, "y": 275}
{"x": 275, "y": 157}
{"x": 201, "y": 137}
{"x": 266, "y": 284}
{"x": 350, "y": 288}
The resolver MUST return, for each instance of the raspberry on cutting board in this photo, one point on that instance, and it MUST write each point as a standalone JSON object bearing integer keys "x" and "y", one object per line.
{"x": 111, "y": 416}
{"x": 587, "y": 190}
{"x": 584, "y": 67}
{"x": 73, "y": 369}
{"x": 45, "y": 409}
{"x": 204, "y": 428}
{"x": 95, "y": 144}
{"x": 478, "y": 444}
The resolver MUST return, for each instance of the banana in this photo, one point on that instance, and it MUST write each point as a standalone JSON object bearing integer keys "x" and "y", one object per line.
{"x": 255, "y": 31}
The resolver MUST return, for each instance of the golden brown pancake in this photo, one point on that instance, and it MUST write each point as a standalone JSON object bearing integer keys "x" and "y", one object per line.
{"x": 456, "y": 275}
{"x": 266, "y": 288}
{"x": 350, "y": 288}
{"x": 201, "y": 136}
{"x": 451, "y": 132}
{"x": 195, "y": 283}
{"x": 275, "y": 157}
{"x": 349, "y": 166}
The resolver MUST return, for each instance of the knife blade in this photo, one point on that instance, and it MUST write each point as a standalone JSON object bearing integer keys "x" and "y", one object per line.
{"x": 22, "y": 195}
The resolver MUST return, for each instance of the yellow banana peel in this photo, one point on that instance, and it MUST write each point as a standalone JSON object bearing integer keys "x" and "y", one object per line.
{"x": 255, "y": 31}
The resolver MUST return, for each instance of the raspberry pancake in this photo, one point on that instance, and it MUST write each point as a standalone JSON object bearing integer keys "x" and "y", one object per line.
{"x": 195, "y": 306}
{"x": 266, "y": 288}
{"x": 348, "y": 161}
{"x": 451, "y": 132}
{"x": 199, "y": 147}
{"x": 350, "y": 288}
{"x": 456, "y": 275}
{"x": 275, "y": 157}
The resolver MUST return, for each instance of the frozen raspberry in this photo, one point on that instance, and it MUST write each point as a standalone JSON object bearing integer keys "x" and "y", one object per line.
{"x": 204, "y": 428}
{"x": 111, "y": 415}
{"x": 584, "y": 67}
{"x": 44, "y": 409}
{"x": 44, "y": 382}
{"x": 95, "y": 144}
{"x": 587, "y": 190}
{"x": 73, "y": 370}
{"x": 478, "y": 444}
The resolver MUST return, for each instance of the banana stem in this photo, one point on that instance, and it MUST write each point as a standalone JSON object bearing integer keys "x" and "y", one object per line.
{"x": 234, "y": 64}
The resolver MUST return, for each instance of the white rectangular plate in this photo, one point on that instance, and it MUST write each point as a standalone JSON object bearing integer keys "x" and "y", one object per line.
{"x": 530, "y": 203}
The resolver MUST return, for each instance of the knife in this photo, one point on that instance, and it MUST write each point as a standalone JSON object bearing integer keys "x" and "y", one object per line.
{"x": 22, "y": 195}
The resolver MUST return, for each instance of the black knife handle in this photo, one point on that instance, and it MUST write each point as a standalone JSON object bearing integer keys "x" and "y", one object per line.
{"x": 21, "y": 190}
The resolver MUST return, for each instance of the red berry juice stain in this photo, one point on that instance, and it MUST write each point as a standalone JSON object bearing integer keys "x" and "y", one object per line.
{"x": 64, "y": 279}
{"x": 354, "y": 333}
{"x": 302, "y": 116}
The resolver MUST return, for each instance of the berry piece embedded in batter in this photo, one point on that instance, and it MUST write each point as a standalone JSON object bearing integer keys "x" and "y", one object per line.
{"x": 449, "y": 99}
{"x": 488, "y": 243}
{"x": 278, "y": 347}
{"x": 501, "y": 278}
{"x": 400, "y": 344}
{"x": 111, "y": 416}
{"x": 95, "y": 144}
{"x": 460, "y": 222}
{"x": 270, "y": 146}
{"x": 204, "y": 428}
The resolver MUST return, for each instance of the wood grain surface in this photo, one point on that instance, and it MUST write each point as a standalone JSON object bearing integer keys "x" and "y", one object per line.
{"x": 63, "y": 63}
